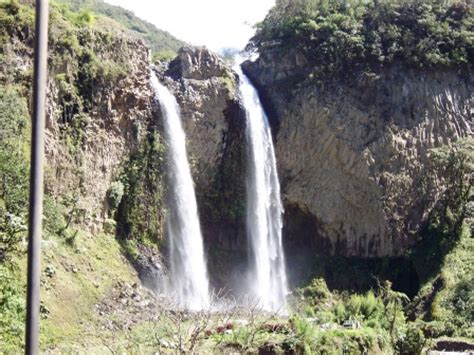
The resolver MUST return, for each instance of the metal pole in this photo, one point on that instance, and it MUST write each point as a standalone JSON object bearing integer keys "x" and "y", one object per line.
{"x": 36, "y": 178}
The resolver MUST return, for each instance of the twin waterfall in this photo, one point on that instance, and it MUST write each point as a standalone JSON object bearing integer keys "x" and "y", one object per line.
{"x": 189, "y": 279}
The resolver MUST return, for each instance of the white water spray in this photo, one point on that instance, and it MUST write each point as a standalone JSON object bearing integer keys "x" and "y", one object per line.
{"x": 264, "y": 206}
{"x": 189, "y": 280}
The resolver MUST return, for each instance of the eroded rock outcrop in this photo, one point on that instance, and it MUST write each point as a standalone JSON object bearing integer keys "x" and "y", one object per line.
{"x": 214, "y": 122}
{"x": 353, "y": 156}
{"x": 205, "y": 89}
{"x": 86, "y": 148}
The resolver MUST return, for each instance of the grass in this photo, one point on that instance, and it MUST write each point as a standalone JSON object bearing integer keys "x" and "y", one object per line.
{"x": 82, "y": 276}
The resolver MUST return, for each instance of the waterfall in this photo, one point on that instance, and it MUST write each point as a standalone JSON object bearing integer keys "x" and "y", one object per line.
{"x": 189, "y": 280}
{"x": 264, "y": 206}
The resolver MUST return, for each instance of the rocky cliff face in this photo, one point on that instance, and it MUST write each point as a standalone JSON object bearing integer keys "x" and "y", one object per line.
{"x": 99, "y": 109}
{"x": 85, "y": 150}
{"x": 354, "y": 156}
{"x": 214, "y": 122}
{"x": 205, "y": 89}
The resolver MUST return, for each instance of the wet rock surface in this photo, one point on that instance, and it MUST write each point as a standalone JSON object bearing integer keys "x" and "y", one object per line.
{"x": 214, "y": 122}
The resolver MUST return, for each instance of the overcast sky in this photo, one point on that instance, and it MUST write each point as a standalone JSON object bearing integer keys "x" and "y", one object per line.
{"x": 213, "y": 23}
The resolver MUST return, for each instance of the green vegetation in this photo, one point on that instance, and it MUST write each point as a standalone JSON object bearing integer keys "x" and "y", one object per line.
{"x": 339, "y": 38}
{"x": 164, "y": 55}
{"x": 15, "y": 18}
{"x": 14, "y": 182}
{"x": 455, "y": 167}
{"x": 82, "y": 270}
{"x": 442, "y": 255}
{"x": 140, "y": 213}
{"x": 14, "y": 170}
{"x": 12, "y": 308}
{"x": 163, "y": 45}
{"x": 446, "y": 299}
{"x": 85, "y": 64}
{"x": 84, "y": 273}
{"x": 380, "y": 312}
{"x": 437, "y": 272}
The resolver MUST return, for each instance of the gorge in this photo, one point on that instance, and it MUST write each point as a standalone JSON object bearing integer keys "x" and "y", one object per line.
{"x": 330, "y": 177}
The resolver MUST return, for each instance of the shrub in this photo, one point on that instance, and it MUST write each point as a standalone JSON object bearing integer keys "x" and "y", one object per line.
{"x": 115, "y": 194}
{"x": 317, "y": 290}
{"x": 303, "y": 335}
{"x": 54, "y": 221}
{"x": 164, "y": 55}
{"x": 462, "y": 301}
{"x": 411, "y": 341}
{"x": 83, "y": 18}
{"x": 12, "y": 229}
{"x": 364, "y": 307}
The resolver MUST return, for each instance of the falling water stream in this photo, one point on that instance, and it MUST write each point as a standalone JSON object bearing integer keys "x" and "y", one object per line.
{"x": 264, "y": 207}
{"x": 189, "y": 279}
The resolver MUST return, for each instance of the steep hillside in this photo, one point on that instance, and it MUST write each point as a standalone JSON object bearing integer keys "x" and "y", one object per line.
{"x": 162, "y": 43}
{"x": 105, "y": 181}
{"x": 99, "y": 123}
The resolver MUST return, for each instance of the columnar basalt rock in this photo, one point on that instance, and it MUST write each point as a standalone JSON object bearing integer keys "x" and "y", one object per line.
{"x": 111, "y": 131}
{"x": 354, "y": 156}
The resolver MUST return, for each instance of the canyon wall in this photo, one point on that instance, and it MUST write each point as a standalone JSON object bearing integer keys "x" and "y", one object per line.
{"x": 354, "y": 156}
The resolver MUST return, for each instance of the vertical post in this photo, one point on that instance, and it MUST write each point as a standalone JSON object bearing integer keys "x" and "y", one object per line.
{"x": 36, "y": 178}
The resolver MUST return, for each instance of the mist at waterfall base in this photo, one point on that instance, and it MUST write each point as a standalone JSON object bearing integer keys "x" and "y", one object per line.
{"x": 267, "y": 278}
{"x": 189, "y": 283}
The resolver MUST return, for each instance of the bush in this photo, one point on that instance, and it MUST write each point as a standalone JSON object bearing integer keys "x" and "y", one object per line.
{"x": 83, "y": 18}
{"x": 364, "y": 307}
{"x": 462, "y": 301}
{"x": 411, "y": 341}
{"x": 303, "y": 335}
{"x": 15, "y": 18}
{"x": 12, "y": 230}
{"x": 316, "y": 291}
{"x": 164, "y": 55}
{"x": 54, "y": 221}
{"x": 115, "y": 194}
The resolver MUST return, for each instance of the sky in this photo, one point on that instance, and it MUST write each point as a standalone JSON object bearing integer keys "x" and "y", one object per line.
{"x": 214, "y": 23}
